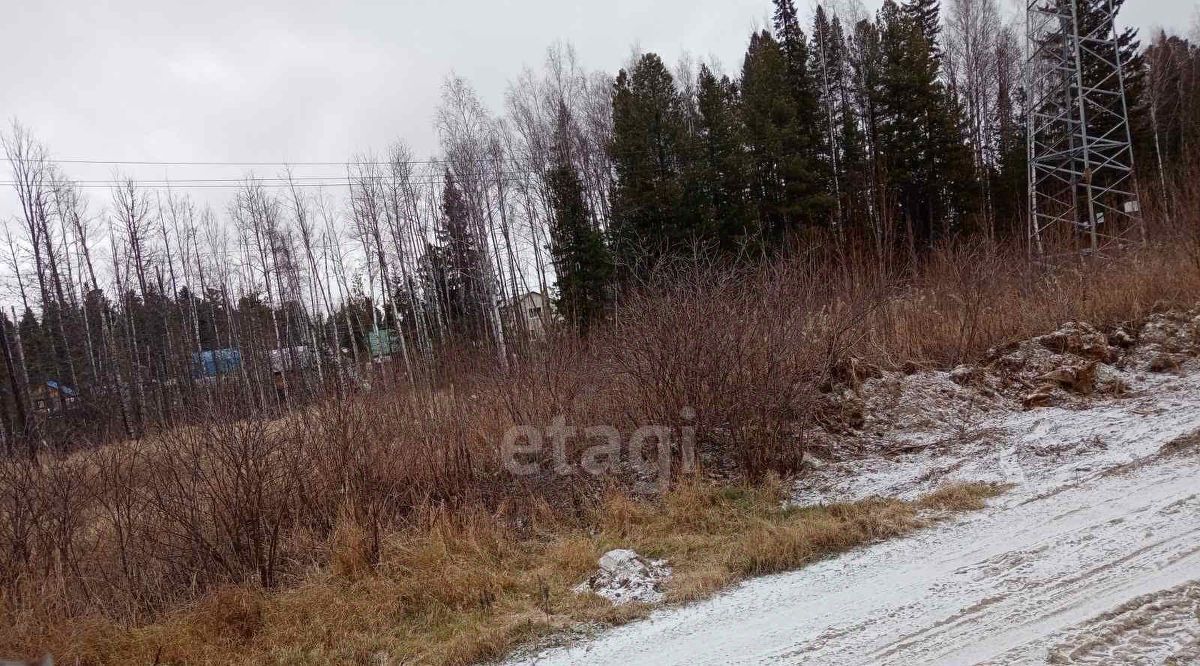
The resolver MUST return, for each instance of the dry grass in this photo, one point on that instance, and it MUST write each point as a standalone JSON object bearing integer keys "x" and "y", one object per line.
{"x": 960, "y": 497}
{"x": 363, "y": 523}
{"x": 466, "y": 589}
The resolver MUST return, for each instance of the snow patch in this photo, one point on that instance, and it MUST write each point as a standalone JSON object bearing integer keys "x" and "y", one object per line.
{"x": 1022, "y": 417}
{"x": 1091, "y": 557}
{"x": 1157, "y": 628}
{"x": 626, "y": 577}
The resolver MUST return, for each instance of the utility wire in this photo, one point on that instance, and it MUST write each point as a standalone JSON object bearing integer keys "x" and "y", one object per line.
{"x": 514, "y": 170}
{"x": 285, "y": 163}
{"x": 237, "y": 183}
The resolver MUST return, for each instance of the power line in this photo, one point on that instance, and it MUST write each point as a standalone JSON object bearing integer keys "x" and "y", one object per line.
{"x": 154, "y": 163}
{"x": 513, "y": 170}
{"x": 237, "y": 183}
{"x": 285, "y": 163}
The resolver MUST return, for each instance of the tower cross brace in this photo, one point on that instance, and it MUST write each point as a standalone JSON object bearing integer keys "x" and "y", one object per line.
{"x": 1082, "y": 179}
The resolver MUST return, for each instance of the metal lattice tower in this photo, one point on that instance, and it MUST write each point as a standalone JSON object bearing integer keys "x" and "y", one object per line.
{"x": 1081, "y": 168}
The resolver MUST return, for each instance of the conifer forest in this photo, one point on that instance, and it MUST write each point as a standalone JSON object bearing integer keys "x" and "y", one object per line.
{"x": 265, "y": 419}
{"x": 895, "y": 133}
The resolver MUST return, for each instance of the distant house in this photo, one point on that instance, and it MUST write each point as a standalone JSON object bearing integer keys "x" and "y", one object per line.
{"x": 51, "y": 397}
{"x": 383, "y": 342}
{"x": 530, "y": 311}
{"x": 209, "y": 364}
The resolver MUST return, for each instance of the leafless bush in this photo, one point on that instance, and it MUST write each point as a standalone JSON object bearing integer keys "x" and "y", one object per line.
{"x": 743, "y": 355}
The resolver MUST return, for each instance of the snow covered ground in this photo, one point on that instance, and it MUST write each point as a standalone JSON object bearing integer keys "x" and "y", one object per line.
{"x": 1093, "y": 557}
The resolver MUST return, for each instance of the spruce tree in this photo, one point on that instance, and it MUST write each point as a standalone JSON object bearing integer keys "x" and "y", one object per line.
{"x": 852, "y": 150}
{"x": 926, "y": 16}
{"x": 582, "y": 264}
{"x": 813, "y": 143}
{"x": 1105, "y": 107}
{"x": 922, "y": 127}
{"x": 1095, "y": 63}
{"x": 1011, "y": 190}
{"x": 36, "y": 348}
{"x": 785, "y": 176}
{"x": 458, "y": 265}
{"x": 955, "y": 185}
{"x": 1168, "y": 109}
{"x": 649, "y": 143}
{"x": 866, "y": 65}
{"x": 842, "y": 148}
{"x": 721, "y": 165}
{"x": 904, "y": 100}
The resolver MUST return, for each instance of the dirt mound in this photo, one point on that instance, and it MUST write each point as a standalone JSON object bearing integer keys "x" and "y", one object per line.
{"x": 1070, "y": 367}
{"x": 1079, "y": 339}
{"x": 1165, "y": 342}
{"x": 1074, "y": 362}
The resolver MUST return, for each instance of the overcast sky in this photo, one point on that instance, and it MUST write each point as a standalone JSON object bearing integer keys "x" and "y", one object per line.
{"x": 314, "y": 80}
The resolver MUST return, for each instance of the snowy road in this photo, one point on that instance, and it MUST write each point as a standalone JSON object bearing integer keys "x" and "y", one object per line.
{"x": 1094, "y": 558}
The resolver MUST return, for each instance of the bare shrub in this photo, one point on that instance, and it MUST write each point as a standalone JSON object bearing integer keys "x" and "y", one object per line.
{"x": 746, "y": 356}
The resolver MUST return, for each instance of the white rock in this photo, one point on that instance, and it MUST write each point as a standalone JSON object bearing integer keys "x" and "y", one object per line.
{"x": 625, "y": 576}
{"x": 622, "y": 561}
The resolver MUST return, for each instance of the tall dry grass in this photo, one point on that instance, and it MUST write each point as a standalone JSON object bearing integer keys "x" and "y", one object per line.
{"x": 126, "y": 535}
{"x": 466, "y": 588}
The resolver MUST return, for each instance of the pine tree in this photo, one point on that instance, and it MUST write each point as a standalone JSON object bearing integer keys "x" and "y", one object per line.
{"x": 1011, "y": 179}
{"x": 786, "y": 184}
{"x": 922, "y": 140}
{"x": 457, "y": 264}
{"x": 581, "y": 260}
{"x": 813, "y": 142}
{"x": 722, "y": 166}
{"x": 843, "y": 149}
{"x": 649, "y": 143}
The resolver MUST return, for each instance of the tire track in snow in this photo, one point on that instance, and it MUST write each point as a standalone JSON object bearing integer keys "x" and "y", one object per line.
{"x": 1092, "y": 560}
{"x": 1160, "y": 628}
{"x": 1070, "y": 575}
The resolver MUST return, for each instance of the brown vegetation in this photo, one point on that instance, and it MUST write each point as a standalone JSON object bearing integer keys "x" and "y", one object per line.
{"x": 464, "y": 587}
{"x": 386, "y": 523}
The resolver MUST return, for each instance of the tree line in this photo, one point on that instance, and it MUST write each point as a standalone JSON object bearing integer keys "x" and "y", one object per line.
{"x": 893, "y": 132}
